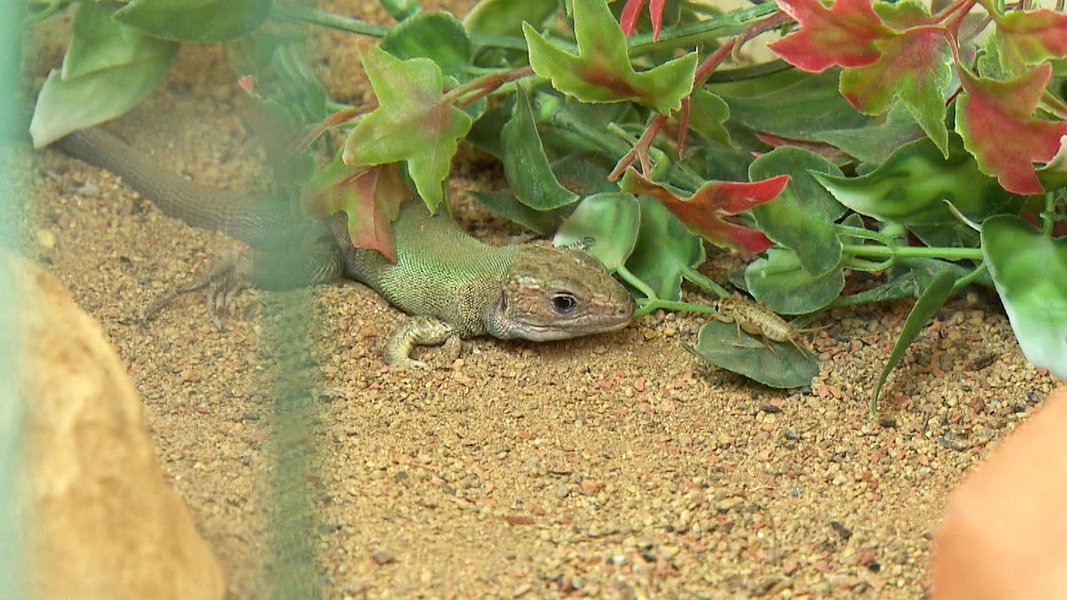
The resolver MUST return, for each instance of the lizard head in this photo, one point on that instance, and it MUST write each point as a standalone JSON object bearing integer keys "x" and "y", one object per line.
{"x": 559, "y": 293}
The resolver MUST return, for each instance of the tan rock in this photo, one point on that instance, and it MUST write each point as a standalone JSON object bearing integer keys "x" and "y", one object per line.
{"x": 103, "y": 523}
{"x": 1004, "y": 534}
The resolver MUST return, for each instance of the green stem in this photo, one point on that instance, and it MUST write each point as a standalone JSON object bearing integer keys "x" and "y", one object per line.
{"x": 686, "y": 36}
{"x": 866, "y": 234}
{"x": 693, "y": 34}
{"x": 651, "y": 302}
{"x": 484, "y": 85}
{"x": 970, "y": 277}
{"x": 673, "y": 306}
{"x": 291, "y": 12}
{"x": 359, "y": 27}
{"x": 636, "y": 282}
{"x": 1047, "y": 216}
{"x": 745, "y": 73}
{"x": 860, "y": 264}
{"x": 704, "y": 282}
{"x": 912, "y": 251}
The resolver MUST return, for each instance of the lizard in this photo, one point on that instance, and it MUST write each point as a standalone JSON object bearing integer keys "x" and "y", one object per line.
{"x": 451, "y": 285}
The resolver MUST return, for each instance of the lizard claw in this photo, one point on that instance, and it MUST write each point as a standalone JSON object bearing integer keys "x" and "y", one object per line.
{"x": 224, "y": 277}
{"x": 417, "y": 331}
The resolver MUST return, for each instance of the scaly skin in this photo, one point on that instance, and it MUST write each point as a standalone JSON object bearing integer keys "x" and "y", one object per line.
{"x": 451, "y": 284}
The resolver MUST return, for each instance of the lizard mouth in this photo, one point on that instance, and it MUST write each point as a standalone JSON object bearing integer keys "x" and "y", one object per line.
{"x": 540, "y": 332}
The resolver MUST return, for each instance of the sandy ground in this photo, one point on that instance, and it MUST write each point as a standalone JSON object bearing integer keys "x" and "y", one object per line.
{"x": 614, "y": 466}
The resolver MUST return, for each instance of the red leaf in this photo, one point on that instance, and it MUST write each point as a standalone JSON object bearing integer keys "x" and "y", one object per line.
{"x": 843, "y": 34}
{"x": 706, "y": 209}
{"x": 995, "y": 119}
{"x": 655, "y": 11}
{"x": 628, "y": 18}
{"x": 913, "y": 59}
{"x": 371, "y": 199}
{"x": 914, "y": 69}
{"x": 1033, "y": 36}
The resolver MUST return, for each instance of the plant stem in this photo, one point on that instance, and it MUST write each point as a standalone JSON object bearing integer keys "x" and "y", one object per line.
{"x": 289, "y": 12}
{"x": 969, "y": 278}
{"x": 484, "y": 85}
{"x": 745, "y": 73}
{"x": 639, "y": 45}
{"x": 672, "y": 305}
{"x": 1047, "y": 215}
{"x": 705, "y": 283}
{"x": 693, "y": 34}
{"x": 914, "y": 251}
{"x": 636, "y": 282}
{"x": 360, "y": 27}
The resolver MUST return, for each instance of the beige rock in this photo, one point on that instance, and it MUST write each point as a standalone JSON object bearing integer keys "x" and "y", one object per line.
{"x": 103, "y": 524}
{"x": 1004, "y": 534}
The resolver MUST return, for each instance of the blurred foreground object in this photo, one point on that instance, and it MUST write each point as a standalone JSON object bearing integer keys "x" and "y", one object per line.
{"x": 1004, "y": 534}
{"x": 102, "y": 523}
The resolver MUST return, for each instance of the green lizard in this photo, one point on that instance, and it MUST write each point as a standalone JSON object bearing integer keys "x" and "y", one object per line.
{"x": 452, "y": 285}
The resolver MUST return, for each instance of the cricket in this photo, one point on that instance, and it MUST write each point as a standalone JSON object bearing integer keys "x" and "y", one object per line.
{"x": 758, "y": 321}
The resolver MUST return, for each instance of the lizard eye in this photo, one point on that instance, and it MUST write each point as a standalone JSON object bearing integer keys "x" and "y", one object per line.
{"x": 564, "y": 304}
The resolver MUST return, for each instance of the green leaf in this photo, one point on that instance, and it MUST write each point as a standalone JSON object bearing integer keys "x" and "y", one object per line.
{"x": 401, "y": 9}
{"x": 195, "y": 20}
{"x": 802, "y": 216}
{"x": 440, "y": 37}
{"x": 108, "y": 69}
{"x": 435, "y": 35}
{"x": 664, "y": 251}
{"x": 275, "y": 71}
{"x": 720, "y": 162}
{"x": 413, "y": 123}
{"x": 783, "y": 367}
{"x": 525, "y": 164}
{"x": 792, "y": 104}
{"x": 780, "y": 283}
{"x": 873, "y": 144}
{"x": 585, "y": 172}
{"x": 925, "y": 307}
{"x": 505, "y": 204}
{"x": 1029, "y": 269}
{"x": 485, "y": 132}
{"x": 610, "y": 220}
{"x": 707, "y": 113}
{"x": 601, "y": 71}
{"x": 925, "y": 270}
{"x": 98, "y": 43}
{"x": 505, "y": 17}
{"x": 911, "y": 188}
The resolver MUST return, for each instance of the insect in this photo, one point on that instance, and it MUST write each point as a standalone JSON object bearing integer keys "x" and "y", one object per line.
{"x": 756, "y": 320}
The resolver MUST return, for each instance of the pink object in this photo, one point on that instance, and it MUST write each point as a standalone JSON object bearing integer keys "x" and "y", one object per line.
{"x": 1004, "y": 533}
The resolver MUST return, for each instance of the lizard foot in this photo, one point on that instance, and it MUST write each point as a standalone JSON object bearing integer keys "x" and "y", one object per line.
{"x": 223, "y": 279}
{"x": 418, "y": 331}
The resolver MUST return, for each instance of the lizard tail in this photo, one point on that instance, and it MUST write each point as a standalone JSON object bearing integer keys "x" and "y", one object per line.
{"x": 254, "y": 219}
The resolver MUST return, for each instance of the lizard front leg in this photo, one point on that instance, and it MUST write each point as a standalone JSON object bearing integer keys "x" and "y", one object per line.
{"x": 419, "y": 331}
